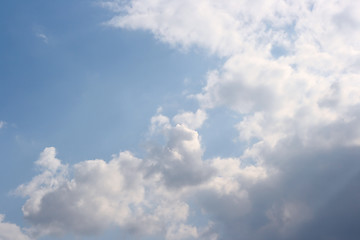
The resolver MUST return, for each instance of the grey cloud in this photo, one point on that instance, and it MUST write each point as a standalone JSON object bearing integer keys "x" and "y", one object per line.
{"x": 313, "y": 195}
{"x": 339, "y": 217}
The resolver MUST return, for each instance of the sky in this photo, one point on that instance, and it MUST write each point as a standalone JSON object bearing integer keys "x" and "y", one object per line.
{"x": 179, "y": 120}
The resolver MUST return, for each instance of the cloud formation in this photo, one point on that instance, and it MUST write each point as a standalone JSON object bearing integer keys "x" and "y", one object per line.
{"x": 291, "y": 70}
{"x": 142, "y": 196}
{"x": 290, "y": 66}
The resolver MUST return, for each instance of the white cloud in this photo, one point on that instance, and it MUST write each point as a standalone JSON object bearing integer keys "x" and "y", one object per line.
{"x": 172, "y": 22}
{"x": 10, "y": 231}
{"x": 142, "y": 196}
{"x": 98, "y": 195}
{"x": 222, "y": 27}
{"x": 312, "y": 84}
{"x": 190, "y": 119}
{"x": 159, "y": 122}
{"x": 278, "y": 101}
{"x": 134, "y": 194}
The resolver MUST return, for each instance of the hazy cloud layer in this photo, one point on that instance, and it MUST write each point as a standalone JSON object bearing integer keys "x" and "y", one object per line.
{"x": 291, "y": 70}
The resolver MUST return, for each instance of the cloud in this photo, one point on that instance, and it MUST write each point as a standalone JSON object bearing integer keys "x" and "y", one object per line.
{"x": 190, "y": 119}
{"x": 10, "y": 231}
{"x": 223, "y": 28}
{"x": 180, "y": 160}
{"x": 149, "y": 196}
{"x": 98, "y": 195}
{"x": 307, "y": 182}
{"x": 141, "y": 196}
{"x": 291, "y": 72}
{"x": 279, "y": 198}
{"x": 172, "y": 22}
{"x": 43, "y": 37}
{"x": 2, "y": 124}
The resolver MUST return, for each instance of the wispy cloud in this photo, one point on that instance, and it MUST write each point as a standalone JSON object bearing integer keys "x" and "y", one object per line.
{"x": 43, "y": 37}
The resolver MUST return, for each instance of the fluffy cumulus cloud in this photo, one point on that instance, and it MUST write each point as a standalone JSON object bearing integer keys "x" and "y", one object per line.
{"x": 142, "y": 196}
{"x": 88, "y": 201}
{"x": 291, "y": 71}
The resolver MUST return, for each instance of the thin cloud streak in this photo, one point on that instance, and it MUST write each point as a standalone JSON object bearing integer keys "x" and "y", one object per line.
{"x": 43, "y": 37}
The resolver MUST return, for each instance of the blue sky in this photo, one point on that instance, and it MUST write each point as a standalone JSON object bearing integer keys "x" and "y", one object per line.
{"x": 179, "y": 120}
